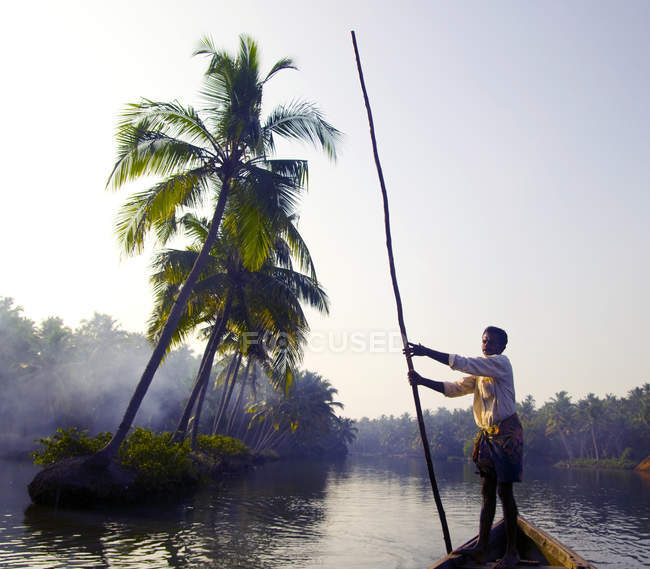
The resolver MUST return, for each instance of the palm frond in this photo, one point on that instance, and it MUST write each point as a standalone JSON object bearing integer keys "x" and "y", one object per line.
{"x": 295, "y": 170}
{"x": 146, "y": 153}
{"x": 248, "y": 56}
{"x": 284, "y": 63}
{"x": 273, "y": 192}
{"x": 248, "y": 225}
{"x": 302, "y": 121}
{"x": 305, "y": 288}
{"x": 158, "y": 204}
{"x": 299, "y": 249}
{"x": 215, "y": 286}
{"x": 172, "y": 266}
{"x": 217, "y": 82}
{"x": 283, "y": 365}
{"x": 205, "y": 46}
{"x": 282, "y": 254}
{"x": 166, "y": 229}
{"x": 164, "y": 298}
{"x": 170, "y": 118}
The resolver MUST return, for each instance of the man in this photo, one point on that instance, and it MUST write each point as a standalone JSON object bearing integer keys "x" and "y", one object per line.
{"x": 498, "y": 446}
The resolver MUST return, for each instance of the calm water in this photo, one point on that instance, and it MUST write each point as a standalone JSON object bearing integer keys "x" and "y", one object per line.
{"x": 357, "y": 514}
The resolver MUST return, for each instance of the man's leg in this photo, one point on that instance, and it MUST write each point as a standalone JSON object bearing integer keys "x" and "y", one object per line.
{"x": 511, "y": 556}
{"x": 488, "y": 508}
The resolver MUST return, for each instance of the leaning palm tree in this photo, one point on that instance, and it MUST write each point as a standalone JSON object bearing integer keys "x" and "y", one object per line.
{"x": 213, "y": 155}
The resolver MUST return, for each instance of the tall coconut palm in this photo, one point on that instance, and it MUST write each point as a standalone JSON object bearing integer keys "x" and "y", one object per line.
{"x": 211, "y": 155}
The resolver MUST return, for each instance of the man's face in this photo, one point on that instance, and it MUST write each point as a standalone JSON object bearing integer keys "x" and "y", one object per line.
{"x": 490, "y": 345}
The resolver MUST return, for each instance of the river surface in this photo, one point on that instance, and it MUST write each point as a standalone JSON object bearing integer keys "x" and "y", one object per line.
{"x": 360, "y": 513}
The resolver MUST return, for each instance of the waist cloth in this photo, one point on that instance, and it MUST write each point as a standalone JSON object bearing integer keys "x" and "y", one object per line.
{"x": 498, "y": 450}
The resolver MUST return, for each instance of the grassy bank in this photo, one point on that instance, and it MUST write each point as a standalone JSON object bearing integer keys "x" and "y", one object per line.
{"x": 604, "y": 463}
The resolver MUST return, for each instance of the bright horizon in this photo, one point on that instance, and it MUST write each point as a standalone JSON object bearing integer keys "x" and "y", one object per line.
{"x": 515, "y": 142}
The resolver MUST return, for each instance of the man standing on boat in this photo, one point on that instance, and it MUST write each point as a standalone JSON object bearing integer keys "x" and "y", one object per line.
{"x": 498, "y": 448}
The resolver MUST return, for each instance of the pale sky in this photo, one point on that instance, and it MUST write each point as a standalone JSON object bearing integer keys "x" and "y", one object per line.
{"x": 515, "y": 142}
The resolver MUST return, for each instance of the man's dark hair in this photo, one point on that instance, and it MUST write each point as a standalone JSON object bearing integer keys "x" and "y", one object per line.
{"x": 499, "y": 334}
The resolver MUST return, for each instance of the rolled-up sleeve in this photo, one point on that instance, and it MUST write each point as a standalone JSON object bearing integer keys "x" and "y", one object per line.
{"x": 492, "y": 366}
{"x": 463, "y": 386}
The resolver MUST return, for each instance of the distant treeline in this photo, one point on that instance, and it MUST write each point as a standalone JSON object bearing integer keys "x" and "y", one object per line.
{"x": 590, "y": 429}
{"x": 54, "y": 376}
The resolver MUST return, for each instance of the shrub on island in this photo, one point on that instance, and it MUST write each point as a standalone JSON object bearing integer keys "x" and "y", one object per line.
{"x": 156, "y": 464}
{"x": 68, "y": 443}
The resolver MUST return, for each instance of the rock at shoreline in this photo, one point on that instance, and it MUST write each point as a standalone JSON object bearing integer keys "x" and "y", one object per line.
{"x": 74, "y": 483}
{"x": 644, "y": 465}
{"x": 77, "y": 483}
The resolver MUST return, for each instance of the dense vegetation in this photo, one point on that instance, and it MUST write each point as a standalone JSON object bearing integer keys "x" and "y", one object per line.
{"x": 55, "y": 377}
{"x": 159, "y": 464}
{"x": 608, "y": 432}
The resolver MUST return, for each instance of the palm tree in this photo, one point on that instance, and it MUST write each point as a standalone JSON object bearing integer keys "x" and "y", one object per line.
{"x": 218, "y": 154}
{"x": 526, "y": 408}
{"x": 590, "y": 410}
{"x": 262, "y": 305}
{"x": 561, "y": 418}
{"x": 346, "y": 430}
{"x": 307, "y": 409}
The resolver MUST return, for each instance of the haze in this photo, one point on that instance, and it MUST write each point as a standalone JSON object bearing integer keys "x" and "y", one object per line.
{"x": 514, "y": 139}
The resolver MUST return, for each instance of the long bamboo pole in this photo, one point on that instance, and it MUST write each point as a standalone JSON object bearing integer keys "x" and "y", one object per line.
{"x": 398, "y": 300}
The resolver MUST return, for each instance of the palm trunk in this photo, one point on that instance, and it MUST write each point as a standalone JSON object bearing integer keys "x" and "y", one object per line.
{"x": 197, "y": 415}
{"x": 260, "y": 436}
{"x": 264, "y": 438}
{"x": 250, "y": 434}
{"x": 237, "y": 406}
{"x": 593, "y": 439}
{"x": 239, "y": 430}
{"x": 567, "y": 448}
{"x": 183, "y": 422}
{"x": 203, "y": 375}
{"x": 398, "y": 301}
{"x": 230, "y": 380}
{"x": 279, "y": 441}
{"x": 105, "y": 455}
{"x": 199, "y": 405}
{"x": 224, "y": 410}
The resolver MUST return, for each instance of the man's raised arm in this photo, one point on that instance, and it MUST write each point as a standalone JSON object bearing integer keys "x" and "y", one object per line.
{"x": 420, "y": 350}
{"x": 493, "y": 366}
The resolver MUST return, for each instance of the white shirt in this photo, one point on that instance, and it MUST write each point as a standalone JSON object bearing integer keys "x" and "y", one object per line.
{"x": 492, "y": 384}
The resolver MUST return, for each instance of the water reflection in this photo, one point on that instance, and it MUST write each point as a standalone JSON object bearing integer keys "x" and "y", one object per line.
{"x": 255, "y": 520}
{"x": 602, "y": 514}
{"x": 361, "y": 513}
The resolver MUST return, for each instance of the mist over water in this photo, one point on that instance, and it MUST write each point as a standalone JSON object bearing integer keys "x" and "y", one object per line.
{"x": 360, "y": 513}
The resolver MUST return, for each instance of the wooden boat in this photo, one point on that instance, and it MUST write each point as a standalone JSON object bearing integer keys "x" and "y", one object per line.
{"x": 537, "y": 549}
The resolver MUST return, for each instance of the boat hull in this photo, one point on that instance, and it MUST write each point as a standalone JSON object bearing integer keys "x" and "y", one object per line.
{"x": 536, "y": 548}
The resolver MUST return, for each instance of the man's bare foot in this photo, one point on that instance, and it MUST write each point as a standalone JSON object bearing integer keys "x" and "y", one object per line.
{"x": 475, "y": 553}
{"x": 509, "y": 561}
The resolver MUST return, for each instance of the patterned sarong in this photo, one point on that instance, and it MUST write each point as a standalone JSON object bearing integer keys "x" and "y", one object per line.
{"x": 498, "y": 451}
